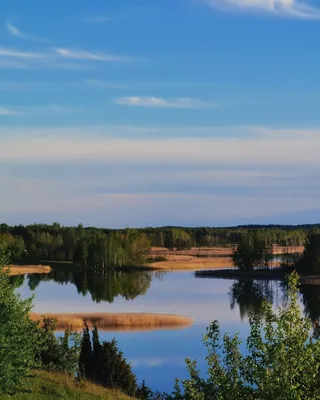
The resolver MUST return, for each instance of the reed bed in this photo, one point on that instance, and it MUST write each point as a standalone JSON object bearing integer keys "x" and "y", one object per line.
{"x": 28, "y": 269}
{"x": 117, "y": 321}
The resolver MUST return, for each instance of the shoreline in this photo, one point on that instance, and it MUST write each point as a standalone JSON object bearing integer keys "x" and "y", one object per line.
{"x": 116, "y": 321}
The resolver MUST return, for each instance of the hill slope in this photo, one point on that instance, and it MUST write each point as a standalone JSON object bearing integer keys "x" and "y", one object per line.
{"x": 48, "y": 385}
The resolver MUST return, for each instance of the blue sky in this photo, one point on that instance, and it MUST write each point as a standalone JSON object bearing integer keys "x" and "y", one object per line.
{"x": 149, "y": 112}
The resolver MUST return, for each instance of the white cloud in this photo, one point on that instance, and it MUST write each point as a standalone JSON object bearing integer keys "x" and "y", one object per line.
{"x": 87, "y": 55}
{"x": 261, "y": 147}
{"x": 9, "y": 112}
{"x": 158, "y": 102}
{"x": 11, "y": 53}
{"x": 286, "y": 8}
{"x": 211, "y": 179}
{"x": 56, "y": 59}
{"x": 99, "y": 84}
{"x": 14, "y": 31}
{"x": 99, "y": 20}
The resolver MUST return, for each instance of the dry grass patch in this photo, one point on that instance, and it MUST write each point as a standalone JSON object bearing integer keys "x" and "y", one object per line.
{"x": 28, "y": 269}
{"x": 117, "y": 321}
{"x": 49, "y": 385}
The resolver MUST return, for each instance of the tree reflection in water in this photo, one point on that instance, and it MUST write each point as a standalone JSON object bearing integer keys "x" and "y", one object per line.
{"x": 101, "y": 285}
{"x": 249, "y": 295}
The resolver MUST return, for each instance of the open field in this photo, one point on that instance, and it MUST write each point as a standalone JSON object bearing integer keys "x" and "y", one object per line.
{"x": 29, "y": 269}
{"x": 118, "y": 321}
{"x": 51, "y": 386}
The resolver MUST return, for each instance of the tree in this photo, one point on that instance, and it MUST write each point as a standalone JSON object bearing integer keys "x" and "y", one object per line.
{"x": 86, "y": 355}
{"x": 18, "y": 346}
{"x": 252, "y": 251}
{"x": 309, "y": 262}
{"x": 104, "y": 364}
{"x": 281, "y": 361}
{"x": 59, "y": 354}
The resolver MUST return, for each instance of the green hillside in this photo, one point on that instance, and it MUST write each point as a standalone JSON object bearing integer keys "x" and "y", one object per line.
{"x": 51, "y": 386}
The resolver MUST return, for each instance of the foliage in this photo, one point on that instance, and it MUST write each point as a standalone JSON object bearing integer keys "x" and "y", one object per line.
{"x": 59, "y": 354}
{"x": 281, "y": 361}
{"x": 252, "y": 251}
{"x": 104, "y": 364}
{"x": 54, "y": 386}
{"x": 289, "y": 260}
{"x": 17, "y": 345}
{"x": 309, "y": 262}
{"x": 108, "y": 248}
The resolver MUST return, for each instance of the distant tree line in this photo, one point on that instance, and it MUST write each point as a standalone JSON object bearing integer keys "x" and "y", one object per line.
{"x": 84, "y": 246}
{"x": 106, "y": 248}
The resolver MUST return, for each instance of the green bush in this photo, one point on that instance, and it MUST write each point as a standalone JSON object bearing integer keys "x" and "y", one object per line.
{"x": 281, "y": 362}
{"x": 18, "y": 346}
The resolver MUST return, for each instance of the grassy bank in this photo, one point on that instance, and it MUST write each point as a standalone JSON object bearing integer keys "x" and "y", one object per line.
{"x": 50, "y": 386}
{"x": 108, "y": 321}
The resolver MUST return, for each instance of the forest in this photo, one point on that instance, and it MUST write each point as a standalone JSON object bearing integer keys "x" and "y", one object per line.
{"x": 111, "y": 248}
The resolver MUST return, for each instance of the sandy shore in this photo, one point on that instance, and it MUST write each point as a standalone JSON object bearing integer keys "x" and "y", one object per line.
{"x": 118, "y": 321}
{"x": 29, "y": 269}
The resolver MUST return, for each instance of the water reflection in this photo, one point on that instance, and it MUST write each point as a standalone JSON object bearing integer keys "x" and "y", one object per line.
{"x": 102, "y": 286}
{"x": 249, "y": 295}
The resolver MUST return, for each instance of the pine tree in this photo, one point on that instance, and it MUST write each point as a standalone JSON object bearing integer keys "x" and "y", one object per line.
{"x": 86, "y": 355}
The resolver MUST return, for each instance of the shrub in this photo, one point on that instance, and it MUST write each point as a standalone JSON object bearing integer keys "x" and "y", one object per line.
{"x": 282, "y": 361}
{"x": 18, "y": 346}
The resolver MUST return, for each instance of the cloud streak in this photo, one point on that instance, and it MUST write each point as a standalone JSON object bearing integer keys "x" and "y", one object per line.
{"x": 285, "y": 8}
{"x": 158, "y": 102}
{"x": 14, "y": 31}
{"x": 93, "y": 56}
{"x": 59, "y": 58}
{"x": 9, "y": 112}
{"x": 261, "y": 147}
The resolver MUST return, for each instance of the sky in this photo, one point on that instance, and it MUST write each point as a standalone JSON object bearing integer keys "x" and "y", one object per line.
{"x": 140, "y": 113}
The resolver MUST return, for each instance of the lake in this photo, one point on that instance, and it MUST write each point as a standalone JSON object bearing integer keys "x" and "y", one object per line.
{"x": 158, "y": 356}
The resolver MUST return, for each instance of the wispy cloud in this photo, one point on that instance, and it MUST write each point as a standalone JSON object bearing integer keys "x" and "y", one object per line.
{"x": 286, "y": 8}
{"x": 9, "y": 112}
{"x": 12, "y": 53}
{"x": 158, "y": 102}
{"x": 99, "y": 84}
{"x": 267, "y": 146}
{"x": 14, "y": 31}
{"x": 88, "y": 55}
{"x": 59, "y": 58}
{"x": 99, "y": 20}
{"x": 114, "y": 16}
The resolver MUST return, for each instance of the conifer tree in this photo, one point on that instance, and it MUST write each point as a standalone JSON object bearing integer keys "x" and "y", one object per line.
{"x": 86, "y": 354}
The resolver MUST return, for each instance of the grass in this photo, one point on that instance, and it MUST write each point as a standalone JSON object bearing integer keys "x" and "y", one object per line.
{"x": 50, "y": 386}
{"x": 29, "y": 269}
{"x": 108, "y": 321}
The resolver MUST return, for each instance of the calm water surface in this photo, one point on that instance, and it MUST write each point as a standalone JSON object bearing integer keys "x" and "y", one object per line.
{"x": 158, "y": 356}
